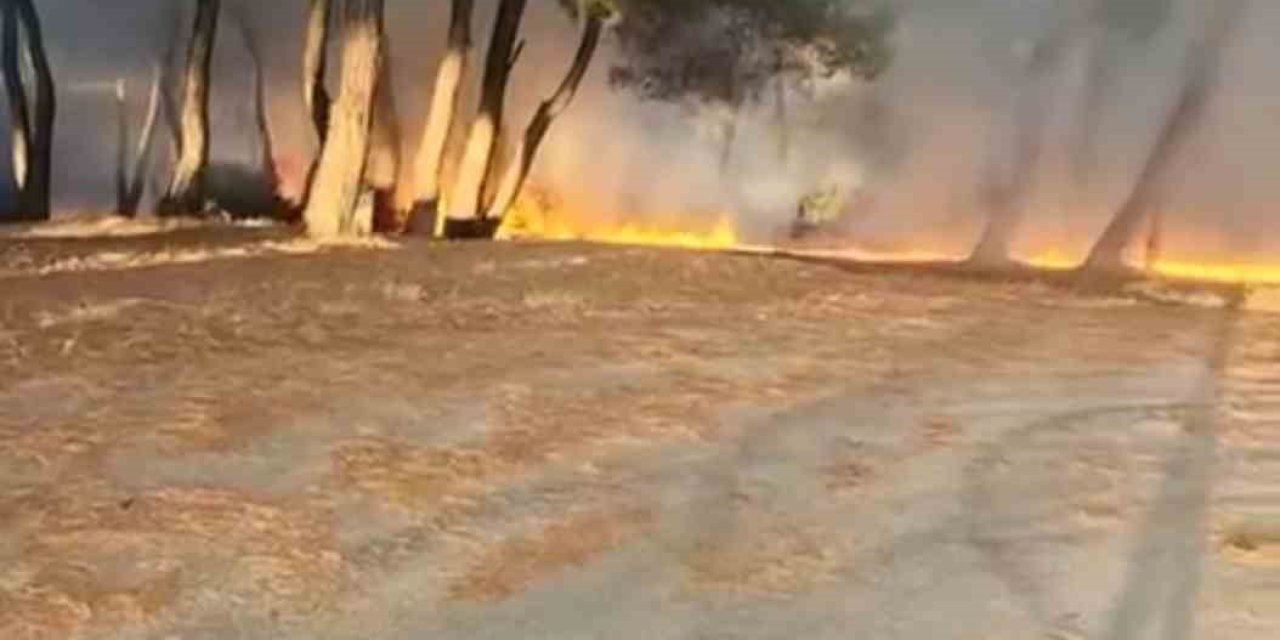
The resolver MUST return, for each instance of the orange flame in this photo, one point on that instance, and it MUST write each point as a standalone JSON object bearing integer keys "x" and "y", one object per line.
{"x": 537, "y": 217}
{"x": 1224, "y": 269}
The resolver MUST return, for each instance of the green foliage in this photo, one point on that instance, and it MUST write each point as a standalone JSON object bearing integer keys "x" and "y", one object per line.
{"x": 728, "y": 50}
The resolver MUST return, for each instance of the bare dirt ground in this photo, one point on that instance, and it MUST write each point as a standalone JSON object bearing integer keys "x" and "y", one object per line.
{"x": 219, "y": 434}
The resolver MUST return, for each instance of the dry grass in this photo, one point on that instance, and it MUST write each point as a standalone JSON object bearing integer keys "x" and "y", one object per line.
{"x": 515, "y": 564}
{"x": 775, "y": 560}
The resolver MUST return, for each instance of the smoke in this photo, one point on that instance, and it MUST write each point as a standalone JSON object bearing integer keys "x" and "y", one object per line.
{"x": 911, "y": 153}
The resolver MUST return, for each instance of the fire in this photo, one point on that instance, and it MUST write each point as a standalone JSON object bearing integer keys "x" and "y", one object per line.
{"x": 540, "y": 218}
{"x": 1223, "y": 270}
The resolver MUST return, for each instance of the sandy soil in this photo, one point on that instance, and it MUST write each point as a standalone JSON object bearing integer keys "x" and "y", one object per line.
{"x": 261, "y": 439}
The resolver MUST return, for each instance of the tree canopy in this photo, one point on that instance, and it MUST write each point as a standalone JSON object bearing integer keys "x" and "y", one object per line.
{"x": 728, "y": 50}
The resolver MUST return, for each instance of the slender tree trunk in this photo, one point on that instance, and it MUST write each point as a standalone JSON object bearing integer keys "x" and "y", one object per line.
{"x": 262, "y": 122}
{"x": 122, "y": 146}
{"x": 1098, "y": 81}
{"x": 729, "y": 139}
{"x": 429, "y": 162}
{"x": 32, "y": 123}
{"x": 782, "y": 113}
{"x": 1203, "y": 67}
{"x": 466, "y": 205}
{"x": 518, "y": 171}
{"x": 383, "y": 170}
{"x": 171, "y": 62}
{"x": 19, "y": 111}
{"x": 131, "y": 183}
{"x": 40, "y": 178}
{"x": 334, "y": 207}
{"x": 315, "y": 63}
{"x": 1005, "y": 199}
{"x": 185, "y": 194}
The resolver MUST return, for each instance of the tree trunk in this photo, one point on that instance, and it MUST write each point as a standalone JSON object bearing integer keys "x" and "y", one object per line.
{"x": 782, "y": 114}
{"x": 267, "y": 156}
{"x": 518, "y": 171}
{"x": 19, "y": 112}
{"x": 32, "y": 123}
{"x": 170, "y": 63}
{"x": 466, "y": 205}
{"x": 122, "y": 147}
{"x": 315, "y": 63}
{"x": 131, "y": 183}
{"x": 429, "y": 162}
{"x": 1203, "y": 66}
{"x": 334, "y": 204}
{"x": 185, "y": 195}
{"x": 1004, "y": 200}
{"x": 383, "y": 170}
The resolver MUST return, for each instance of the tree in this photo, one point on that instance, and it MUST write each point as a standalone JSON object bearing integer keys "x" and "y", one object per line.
{"x": 728, "y": 52}
{"x": 261, "y": 120}
{"x": 315, "y": 66}
{"x": 594, "y": 13}
{"x": 383, "y": 171}
{"x": 339, "y": 204}
{"x": 466, "y": 205}
{"x": 31, "y": 122}
{"x": 132, "y": 170}
{"x": 1009, "y": 183}
{"x": 428, "y": 167}
{"x": 1199, "y": 80}
{"x": 185, "y": 194}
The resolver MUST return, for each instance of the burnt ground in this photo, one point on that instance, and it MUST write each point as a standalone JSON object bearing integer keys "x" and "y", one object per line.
{"x": 223, "y": 434}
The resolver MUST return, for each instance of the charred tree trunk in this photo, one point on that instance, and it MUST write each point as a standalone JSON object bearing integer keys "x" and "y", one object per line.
{"x": 266, "y": 153}
{"x": 429, "y": 162}
{"x": 33, "y": 121}
{"x": 383, "y": 170}
{"x": 131, "y": 182}
{"x": 40, "y": 173}
{"x": 19, "y": 112}
{"x": 185, "y": 195}
{"x": 315, "y": 65}
{"x": 170, "y": 63}
{"x": 1203, "y": 66}
{"x": 518, "y": 171}
{"x": 466, "y": 205}
{"x": 336, "y": 205}
{"x": 122, "y": 147}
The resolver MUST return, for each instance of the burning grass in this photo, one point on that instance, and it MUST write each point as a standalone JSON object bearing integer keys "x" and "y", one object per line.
{"x": 540, "y": 216}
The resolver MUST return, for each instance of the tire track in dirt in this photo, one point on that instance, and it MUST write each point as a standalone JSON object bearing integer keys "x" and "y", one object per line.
{"x": 1018, "y": 527}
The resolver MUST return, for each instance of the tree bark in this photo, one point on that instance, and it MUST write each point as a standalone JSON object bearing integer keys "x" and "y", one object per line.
{"x": 185, "y": 195}
{"x": 262, "y": 122}
{"x": 429, "y": 162}
{"x": 131, "y": 183}
{"x": 1203, "y": 66}
{"x": 122, "y": 147}
{"x": 19, "y": 111}
{"x": 170, "y": 63}
{"x": 315, "y": 64}
{"x": 32, "y": 122}
{"x": 466, "y": 205}
{"x": 338, "y": 186}
{"x": 518, "y": 171}
{"x": 383, "y": 170}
